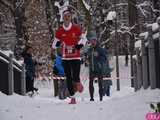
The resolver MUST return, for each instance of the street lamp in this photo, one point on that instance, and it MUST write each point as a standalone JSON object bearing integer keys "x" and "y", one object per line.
{"x": 116, "y": 49}
{"x": 110, "y": 17}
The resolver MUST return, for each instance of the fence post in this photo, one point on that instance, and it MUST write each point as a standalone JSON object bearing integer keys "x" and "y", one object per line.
{"x": 23, "y": 81}
{"x": 135, "y": 74}
{"x": 144, "y": 65}
{"x": 139, "y": 70}
{"x": 158, "y": 80}
{"x": 10, "y": 75}
{"x": 152, "y": 65}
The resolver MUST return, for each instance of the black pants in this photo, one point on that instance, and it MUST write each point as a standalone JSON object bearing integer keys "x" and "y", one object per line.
{"x": 72, "y": 72}
{"x": 29, "y": 84}
{"x": 91, "y": 86}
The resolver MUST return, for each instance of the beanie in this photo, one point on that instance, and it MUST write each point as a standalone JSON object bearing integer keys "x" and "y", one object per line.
{"x": 91, "y": 35}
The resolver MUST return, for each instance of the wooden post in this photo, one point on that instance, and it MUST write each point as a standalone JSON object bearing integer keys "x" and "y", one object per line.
{"x": 10, "y": 75}
{"x": 131, "y": 57}
{"x": 144, "y": 66}
{"x": 158, "y": 56}
{"x": 152, "y": 65}
{"x": 55, "y": 83}
{"x": 139, "y": 71}
{"x": 135, "y": 74}
{"x": 158, "y": 80}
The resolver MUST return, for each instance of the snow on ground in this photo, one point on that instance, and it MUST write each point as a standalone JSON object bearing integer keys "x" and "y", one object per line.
{"x": 122, "y": 105}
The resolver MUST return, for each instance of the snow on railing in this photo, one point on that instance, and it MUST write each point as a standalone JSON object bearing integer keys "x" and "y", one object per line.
{"x": 87, "y": 78}
{"x": 12, "y": 74}
{"x": 144, "y": 34}
{"x": 138, "y": 44}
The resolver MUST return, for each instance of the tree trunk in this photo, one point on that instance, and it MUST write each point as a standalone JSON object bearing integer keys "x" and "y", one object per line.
{"x": 49, "y": 15}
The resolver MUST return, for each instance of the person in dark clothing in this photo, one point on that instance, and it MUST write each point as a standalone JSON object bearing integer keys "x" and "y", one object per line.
{"x": 106, "y": 86}
{"x": 96, "y": 57}
{"x": 107, "y": 73}
{"x": 30, "y": 69}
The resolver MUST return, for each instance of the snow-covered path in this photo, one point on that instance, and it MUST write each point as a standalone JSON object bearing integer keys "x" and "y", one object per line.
{"x": 122, "y": 105}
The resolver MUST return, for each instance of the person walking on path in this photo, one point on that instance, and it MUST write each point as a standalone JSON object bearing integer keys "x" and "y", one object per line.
{"x": 96, "y": 57}
{"x": 107, "y": 73}
{"x": 68, "y": 37}
{"x": 30, "y": 69}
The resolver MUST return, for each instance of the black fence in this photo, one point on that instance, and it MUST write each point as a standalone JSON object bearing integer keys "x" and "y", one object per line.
{"x": 147, "y": 64}
{"x": 4, "y": 84}
{"x": 12, "y": 75}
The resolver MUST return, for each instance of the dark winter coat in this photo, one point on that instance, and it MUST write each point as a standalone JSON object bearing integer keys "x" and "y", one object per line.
{"x": 29, "y": 65}
{"x": 97, "y": 58}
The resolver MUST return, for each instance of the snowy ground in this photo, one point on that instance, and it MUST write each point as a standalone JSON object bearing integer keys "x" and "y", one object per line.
{"x": 122, "y": 105}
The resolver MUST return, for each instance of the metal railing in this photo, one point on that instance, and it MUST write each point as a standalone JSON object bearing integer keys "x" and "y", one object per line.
{"x": 12, "y": 75}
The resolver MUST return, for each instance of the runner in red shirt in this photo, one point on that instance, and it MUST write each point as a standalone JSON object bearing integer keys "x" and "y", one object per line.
{"x": 68, "y": 37}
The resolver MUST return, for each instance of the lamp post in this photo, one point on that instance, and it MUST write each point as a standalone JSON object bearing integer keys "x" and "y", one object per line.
{"x": 112, "y": 15}
{"x": 116, "y": 49}
{"x": 19, "y": 16}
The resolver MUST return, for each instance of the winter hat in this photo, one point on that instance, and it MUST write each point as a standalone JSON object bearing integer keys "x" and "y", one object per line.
{"x": 91, "y": 35}
{"x": 67, "y": 11}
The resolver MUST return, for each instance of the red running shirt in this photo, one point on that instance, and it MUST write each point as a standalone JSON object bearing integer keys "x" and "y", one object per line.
{"x": 69, "y": 38}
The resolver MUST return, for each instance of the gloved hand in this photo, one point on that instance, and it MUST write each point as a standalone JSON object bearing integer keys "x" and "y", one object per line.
{"x": 79, "y": 46}
{"x": 58, "y": 43}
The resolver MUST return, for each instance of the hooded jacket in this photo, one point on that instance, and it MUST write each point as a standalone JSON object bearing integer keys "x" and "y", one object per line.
{"x": 98, "y": 61}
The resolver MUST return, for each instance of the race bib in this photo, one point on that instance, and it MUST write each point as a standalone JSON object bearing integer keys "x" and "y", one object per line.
{"x": 69, "y": 50}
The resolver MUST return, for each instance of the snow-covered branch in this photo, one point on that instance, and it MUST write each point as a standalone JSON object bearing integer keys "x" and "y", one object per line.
{"x": 101, "y": 33}
{"x": 155, "y": 10}
{"x": 124, "y": 29}
{"x": 145, "y": 3}
{"x": 7, "y": 4}
{"x": 141, "y": 7}
{"x": 104, "y": 42}
{"x": 122, "y": 4}
{"x": 111, "y": 15}
{"x": 142, "y": 10}
{"x": 86, "y": 5}
{"x": 62, "y": 8}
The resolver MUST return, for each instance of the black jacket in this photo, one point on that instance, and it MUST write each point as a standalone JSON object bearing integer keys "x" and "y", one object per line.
{"x": 29, "y": 65}
{"x": 96, "y": 57}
